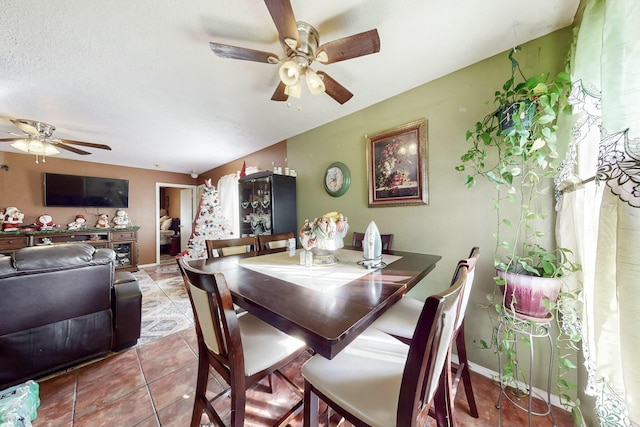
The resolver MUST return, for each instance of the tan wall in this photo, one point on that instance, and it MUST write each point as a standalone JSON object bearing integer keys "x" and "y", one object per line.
{"x": 263, "y": 159}
{"x": 173, "y": 196}
{"x": 22, "y": 186}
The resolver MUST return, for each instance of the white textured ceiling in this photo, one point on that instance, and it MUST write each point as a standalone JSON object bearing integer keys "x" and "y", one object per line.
{"x": 140, "y": 77}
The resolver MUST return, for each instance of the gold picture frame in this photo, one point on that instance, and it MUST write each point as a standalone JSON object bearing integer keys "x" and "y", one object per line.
{"x": 397, "y": 166}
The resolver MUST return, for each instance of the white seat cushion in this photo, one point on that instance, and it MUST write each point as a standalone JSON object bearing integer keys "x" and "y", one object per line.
{"x": 264, "y": 345}
{"x": 364, "y": 378}
{"x": 401, "y": 319}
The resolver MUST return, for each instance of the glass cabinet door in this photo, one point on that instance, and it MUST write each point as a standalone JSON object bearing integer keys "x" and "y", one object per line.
{"x": 255, "y": 207}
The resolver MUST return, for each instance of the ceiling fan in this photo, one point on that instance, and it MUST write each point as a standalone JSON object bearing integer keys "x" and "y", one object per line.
{"x": 301, "y": 45}
{"x": 38, "y": 140}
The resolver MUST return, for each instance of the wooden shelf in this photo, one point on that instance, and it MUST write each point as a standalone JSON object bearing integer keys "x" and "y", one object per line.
{"x": 124, "y": 241}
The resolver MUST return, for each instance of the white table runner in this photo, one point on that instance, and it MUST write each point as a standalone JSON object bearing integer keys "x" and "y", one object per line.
{"x": 320, "y": 278}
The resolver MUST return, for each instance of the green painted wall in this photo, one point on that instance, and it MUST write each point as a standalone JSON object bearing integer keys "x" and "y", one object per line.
{"x": 456, "y": 218}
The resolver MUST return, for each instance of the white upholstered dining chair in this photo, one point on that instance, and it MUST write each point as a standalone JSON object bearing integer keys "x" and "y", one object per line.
{"x": 242, "y": 349}
{"x": 268, "y": 242}
{"x": 400, "y": 322}
{"x": 224, "y": 247}
{"x": 379, "y": 381}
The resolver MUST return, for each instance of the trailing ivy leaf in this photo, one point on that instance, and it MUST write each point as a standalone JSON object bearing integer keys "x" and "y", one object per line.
{"x": 576, "y": 415}
{"x": 546, "y": 118}
{"x": 567, "y": 363}
{"x": 566, "y": 384}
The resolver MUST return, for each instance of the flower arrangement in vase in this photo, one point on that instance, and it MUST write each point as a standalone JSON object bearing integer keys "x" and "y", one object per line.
{"x": 324, "y": 235}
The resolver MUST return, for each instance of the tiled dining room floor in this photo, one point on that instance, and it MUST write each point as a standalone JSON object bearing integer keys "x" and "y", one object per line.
{"x": 152, "y": 383}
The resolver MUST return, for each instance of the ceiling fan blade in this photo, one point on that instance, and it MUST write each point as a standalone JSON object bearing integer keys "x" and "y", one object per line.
{"x": 279, "y": 94}
{"x": 282, "y": 14}
{"x": 68, "y": 147}
{"x": 84, "y": 144}
{"x": 235, "y": 52}
{"x": 335, "y": 89}
{"x": 26, "y": 126}
{"x": 11, "y": 139}
{"x": 353, "y": 46}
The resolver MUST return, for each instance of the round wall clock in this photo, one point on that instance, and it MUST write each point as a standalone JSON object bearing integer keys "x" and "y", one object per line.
{"x": 337, "y": 179}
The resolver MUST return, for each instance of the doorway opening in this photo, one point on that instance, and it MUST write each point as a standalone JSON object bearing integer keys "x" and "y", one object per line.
{"x": 174, "y": 202}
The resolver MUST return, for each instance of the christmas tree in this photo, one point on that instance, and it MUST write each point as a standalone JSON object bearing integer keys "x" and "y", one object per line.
{"x": 209, "y": 224}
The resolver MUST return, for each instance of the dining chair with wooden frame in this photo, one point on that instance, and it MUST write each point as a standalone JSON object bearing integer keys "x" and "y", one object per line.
{"x": 373, "y": 382}
{"x": 267, "y": 242}
{"x": 400, "y": 322}
{"x": 242, "y": 349}
{"x": 224, "y": 247}
{"x": 387, "y": 241}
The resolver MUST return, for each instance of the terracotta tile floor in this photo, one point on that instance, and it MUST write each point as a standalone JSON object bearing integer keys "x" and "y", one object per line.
{"x": 152, "y": 385}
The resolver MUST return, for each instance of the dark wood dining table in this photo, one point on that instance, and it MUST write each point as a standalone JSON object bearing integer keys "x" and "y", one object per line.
{"x": 327, "y": 321}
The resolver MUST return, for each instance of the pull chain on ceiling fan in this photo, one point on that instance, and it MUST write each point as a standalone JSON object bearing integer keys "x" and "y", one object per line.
{"x": 38, "y": 140}
{"x": 301, "y": 45}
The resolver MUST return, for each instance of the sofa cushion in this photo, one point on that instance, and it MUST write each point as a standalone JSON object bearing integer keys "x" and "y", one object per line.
{"x": 30, "y": 353}
{"x": 166, "y": 224}
{"x": 6, "y": 266}
{"x": 56, "y": 256}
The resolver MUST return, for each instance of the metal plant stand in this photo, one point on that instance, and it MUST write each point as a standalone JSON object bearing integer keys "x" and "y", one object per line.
{"x": 531, "y": 328}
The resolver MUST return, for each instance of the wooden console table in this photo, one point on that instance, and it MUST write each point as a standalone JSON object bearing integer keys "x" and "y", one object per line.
{"x": 124, "y": 241}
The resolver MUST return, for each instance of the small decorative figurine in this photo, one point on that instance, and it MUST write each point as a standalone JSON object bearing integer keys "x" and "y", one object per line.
{"x": 103, "y": 221}
{"x": 121, "y": 220}
{"x": 12, "y": 217}
{"x": 79, "y": 223}
{"x": 45, "y": 222}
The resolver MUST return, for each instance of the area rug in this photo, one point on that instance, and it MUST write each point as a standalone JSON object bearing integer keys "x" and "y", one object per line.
{"x": 165, "y": 303}
{"x": 166, "y": 269}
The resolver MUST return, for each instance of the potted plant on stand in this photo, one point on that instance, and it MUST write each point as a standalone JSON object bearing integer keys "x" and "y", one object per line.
{"x": 514, "y": 147}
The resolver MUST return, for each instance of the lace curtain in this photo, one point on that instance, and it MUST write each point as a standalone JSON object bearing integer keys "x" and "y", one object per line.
{"x": 599, "y": 200}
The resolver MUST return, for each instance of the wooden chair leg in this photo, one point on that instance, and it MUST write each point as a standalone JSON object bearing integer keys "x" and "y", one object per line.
{"x": 311, "y": 406}
{"x": 465, "y": 373}
{"x": 238, "y": 401}
{"x": 200, "y": 398}
{"x": 443, "y": 409}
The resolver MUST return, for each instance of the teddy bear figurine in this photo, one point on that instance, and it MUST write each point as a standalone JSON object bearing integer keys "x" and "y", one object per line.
{"x": 79, "y": 223}
{"x": 121, "y": 220}
{"x": 103, "y": 221}
{"x": 45, "y": 222}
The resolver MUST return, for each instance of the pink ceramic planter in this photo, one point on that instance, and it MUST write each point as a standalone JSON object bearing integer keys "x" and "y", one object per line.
{"x": 529, "y": 292}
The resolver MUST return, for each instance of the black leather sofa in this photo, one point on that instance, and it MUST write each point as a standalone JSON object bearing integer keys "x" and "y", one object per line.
{"x": 61, "y": 305}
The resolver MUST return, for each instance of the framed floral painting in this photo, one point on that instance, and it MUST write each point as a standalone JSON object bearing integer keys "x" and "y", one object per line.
{"x": 397, "y": 166}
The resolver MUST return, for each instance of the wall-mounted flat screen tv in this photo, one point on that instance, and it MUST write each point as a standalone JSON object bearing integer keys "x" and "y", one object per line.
{"x": 85, "y": 191}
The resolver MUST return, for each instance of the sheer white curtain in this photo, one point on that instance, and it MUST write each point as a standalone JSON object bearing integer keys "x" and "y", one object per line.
{"x": 230, "y": 198}
{"x": 600, "y": 219}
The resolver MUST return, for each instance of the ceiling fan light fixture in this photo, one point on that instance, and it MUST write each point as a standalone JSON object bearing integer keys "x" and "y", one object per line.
{"x": 289, "y": 73}
{"x": 314, "y": 82}
{"x": 35, "y": 146}
{"x": 292, "y": 69}
{"x": 294, "y": 90}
